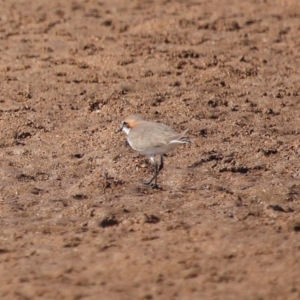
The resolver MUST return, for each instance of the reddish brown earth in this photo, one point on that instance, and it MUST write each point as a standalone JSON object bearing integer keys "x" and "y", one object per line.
{"x": 75, "y": 221}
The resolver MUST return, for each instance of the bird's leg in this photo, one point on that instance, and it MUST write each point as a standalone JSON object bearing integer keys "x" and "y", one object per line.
{"x": 153, "y": 161}
{"x": 157, "y": 169}
{"x": 161, "y": 166}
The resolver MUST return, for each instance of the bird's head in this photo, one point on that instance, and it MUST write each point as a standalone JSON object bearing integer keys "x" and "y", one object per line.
{"x": 130, "y": 122}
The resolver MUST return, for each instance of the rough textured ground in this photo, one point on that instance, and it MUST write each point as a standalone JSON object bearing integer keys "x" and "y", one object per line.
{"x": 75, "y": 221}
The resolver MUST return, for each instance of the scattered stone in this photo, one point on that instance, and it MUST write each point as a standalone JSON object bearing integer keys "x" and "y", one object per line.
{"x": 108, "y": 222}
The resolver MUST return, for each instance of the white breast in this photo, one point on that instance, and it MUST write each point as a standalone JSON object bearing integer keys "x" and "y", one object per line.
{"x": 126, "y": 130}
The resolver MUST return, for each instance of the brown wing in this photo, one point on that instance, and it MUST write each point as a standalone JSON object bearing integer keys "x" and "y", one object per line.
{"x": 150, "y": 135}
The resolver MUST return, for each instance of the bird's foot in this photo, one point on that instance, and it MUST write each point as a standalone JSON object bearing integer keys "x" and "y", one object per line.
{"x": 150, "y": 185}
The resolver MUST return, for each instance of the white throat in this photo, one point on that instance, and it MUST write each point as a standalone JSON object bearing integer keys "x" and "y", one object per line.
{"x": 126, "y": 130}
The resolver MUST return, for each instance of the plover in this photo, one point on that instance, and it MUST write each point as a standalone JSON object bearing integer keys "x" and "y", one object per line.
{"x": 150, "y": 138}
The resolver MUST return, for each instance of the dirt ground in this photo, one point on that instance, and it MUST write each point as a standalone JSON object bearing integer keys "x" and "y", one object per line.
{"x": 76, "y": 222}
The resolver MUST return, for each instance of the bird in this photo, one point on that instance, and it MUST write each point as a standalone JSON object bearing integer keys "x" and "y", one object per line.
{"x": 152, "y": 139}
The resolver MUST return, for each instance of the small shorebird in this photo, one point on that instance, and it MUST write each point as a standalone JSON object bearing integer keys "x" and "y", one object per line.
{"x": 152, "y": 139}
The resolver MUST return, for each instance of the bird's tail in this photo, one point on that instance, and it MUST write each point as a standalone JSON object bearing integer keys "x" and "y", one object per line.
{"x": 184, "y": 138}
{"x": 181, "y": 138}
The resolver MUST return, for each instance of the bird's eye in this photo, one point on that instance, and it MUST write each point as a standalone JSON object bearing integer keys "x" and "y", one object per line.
{"x": 125, "y": 124}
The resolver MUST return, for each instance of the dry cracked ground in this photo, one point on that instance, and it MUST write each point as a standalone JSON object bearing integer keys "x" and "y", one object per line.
{"x": 75, "y": 221}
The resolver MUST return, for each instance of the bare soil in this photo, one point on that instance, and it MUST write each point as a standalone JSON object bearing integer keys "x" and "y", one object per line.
{"x": 76, "y": 223}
